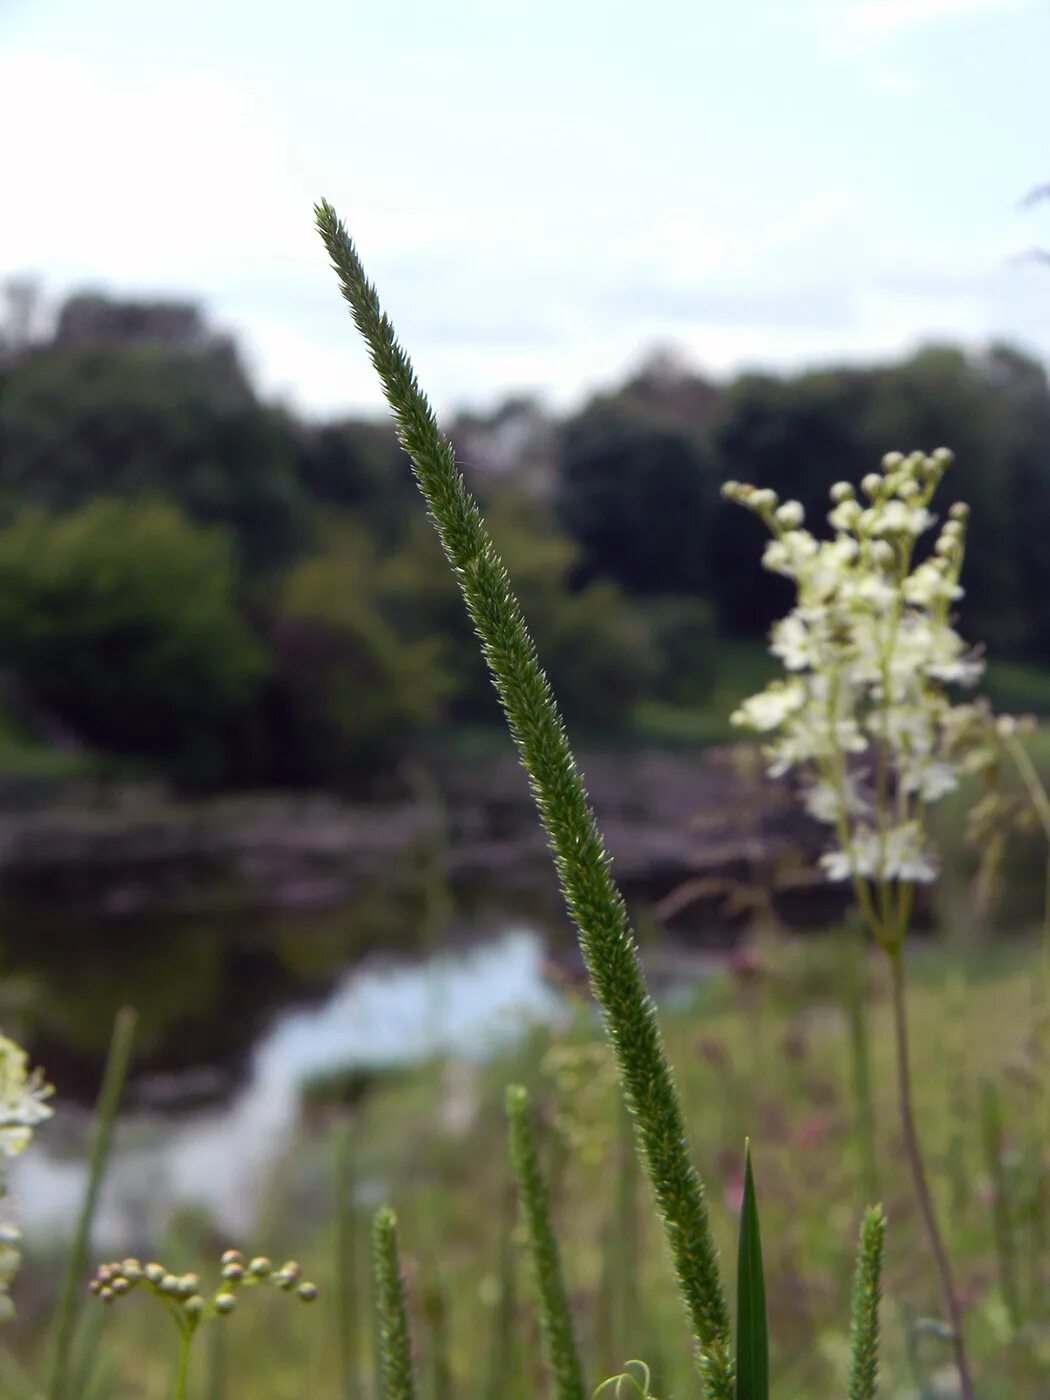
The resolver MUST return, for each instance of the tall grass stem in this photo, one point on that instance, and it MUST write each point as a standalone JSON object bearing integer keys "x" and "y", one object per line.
{"x": 107, "y": 1106}
{"x": 580, "y": 857}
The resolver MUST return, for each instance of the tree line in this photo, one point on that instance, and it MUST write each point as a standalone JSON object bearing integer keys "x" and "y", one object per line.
{"x": 198, "y": 581}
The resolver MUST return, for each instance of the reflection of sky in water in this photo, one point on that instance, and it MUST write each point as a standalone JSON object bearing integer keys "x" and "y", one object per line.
{"x": 468, "y": 1004}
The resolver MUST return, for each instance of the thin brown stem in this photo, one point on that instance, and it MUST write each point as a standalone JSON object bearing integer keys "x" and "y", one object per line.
{"x": 918, "y": 1170}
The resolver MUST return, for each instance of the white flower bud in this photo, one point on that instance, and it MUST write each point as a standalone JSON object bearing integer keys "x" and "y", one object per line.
{"x": 225, "y": 1302}
{"x": 845, "y": 515}
{"x": 892, "y": 460}
{"x": 959, "y": 511}
{"x": 790, "y": 515}
{"x": 872, "y": 484}
{"x": 883, "y": 554}
{"x": 842, "y": 491}
{"x": 943, "y": 456}
{"x": 764, "y": 500}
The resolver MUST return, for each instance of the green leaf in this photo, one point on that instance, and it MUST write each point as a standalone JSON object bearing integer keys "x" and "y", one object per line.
{"x": 752, "y": 1339}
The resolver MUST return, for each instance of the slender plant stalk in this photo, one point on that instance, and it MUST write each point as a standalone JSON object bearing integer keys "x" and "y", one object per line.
{"x": 345, "y": 1260}
{"x": 106, "y": 1108}
{"x": 992, "y": 1133}
{"x": 861, "y": 1065}
{"x": 913, "y": 1151}
{"x": 436, "y": 1309}
{"x": 956, "y": 1074}
{"x": 395, "y": 1344}
{"x": 84, "y": 1356}
{"x": 503, "y": 1377}
{"x": 582, "y": 863}
{"x": 216, "y": 1388}
{"x": 867, "y": 1292}
{"x": 183, "y": 1370}
{"x": 555, "y": 1316}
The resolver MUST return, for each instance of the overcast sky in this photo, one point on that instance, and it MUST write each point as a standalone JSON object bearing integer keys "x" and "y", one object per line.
{"x": 542, "y": 189}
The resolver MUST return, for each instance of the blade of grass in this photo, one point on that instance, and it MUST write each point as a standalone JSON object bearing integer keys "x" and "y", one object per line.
{"x": 752, "y": 1338}
{"x": 106, "y": 1108}
{"x": 345, "y": 1259}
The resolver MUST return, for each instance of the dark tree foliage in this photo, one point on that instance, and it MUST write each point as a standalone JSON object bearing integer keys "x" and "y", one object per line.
{"x": 799, "y": 435}
{"x": 105, "y": 407}
{"x": 638, "y": 496}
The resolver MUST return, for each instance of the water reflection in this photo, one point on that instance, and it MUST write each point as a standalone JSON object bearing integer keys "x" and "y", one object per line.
{"x": 469, "y": 1003}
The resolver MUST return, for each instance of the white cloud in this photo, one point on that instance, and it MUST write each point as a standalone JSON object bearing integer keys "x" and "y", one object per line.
{"x": 858, "y": 25}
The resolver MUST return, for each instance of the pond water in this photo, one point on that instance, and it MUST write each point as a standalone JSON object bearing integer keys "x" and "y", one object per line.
{"x": 468, "y": 1003}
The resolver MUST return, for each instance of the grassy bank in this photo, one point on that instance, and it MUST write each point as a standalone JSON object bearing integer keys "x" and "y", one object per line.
{"x": 769, "y": 1051}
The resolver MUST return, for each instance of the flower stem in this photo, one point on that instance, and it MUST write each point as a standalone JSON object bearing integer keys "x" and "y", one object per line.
{"x": 913, "y": 1152}
{"x": 181, "y": 1374}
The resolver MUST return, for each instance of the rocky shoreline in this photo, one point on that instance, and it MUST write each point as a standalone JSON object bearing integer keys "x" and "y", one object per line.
{"x": 703, "y": 841}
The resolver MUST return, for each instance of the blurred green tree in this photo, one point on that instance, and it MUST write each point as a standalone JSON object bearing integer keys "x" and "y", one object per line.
{"x": 138, "y": 400}
{"x": 638, "y": 495}
{"x": 351, "y": 687}
{"x": 121, "y": 618}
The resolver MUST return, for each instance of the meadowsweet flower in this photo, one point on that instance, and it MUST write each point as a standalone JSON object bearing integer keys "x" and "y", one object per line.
{"x": 23, "y": 1106}
{"x": 23, "y": 1098}
{"x": 770, "y": 707}
{"x": 866, "y": 714}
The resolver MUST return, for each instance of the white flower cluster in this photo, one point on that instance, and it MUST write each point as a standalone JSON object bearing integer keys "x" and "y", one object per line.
{"x": 863, "y": 714}
{"x": 23, "y": 1105}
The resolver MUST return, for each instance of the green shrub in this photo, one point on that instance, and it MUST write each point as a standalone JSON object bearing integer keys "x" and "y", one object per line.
{"x": 121, "y": 619}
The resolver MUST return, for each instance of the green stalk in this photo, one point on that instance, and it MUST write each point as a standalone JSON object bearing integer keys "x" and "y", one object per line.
{"x": 183, "y": 1369}
{"x": 106, "y": 1108}
{"x": 555, "y": 1315}
{"x": 345, "y": 1260}
{"x": 913, "y": 1152}
{"x": 992, "y": 1134}
{"x": 216, "y": 1388}
{"x": 582, "y": 863}
{"x": 861, "y": 1065}
{"x": 503, "y": 1376}
{"x": 867, "y": 1292}
{"x": 435, "y": 1306}
{"x": 395, "y": 1344}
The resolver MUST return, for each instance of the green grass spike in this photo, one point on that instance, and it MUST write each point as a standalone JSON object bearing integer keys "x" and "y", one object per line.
{"x": 555, "y": 1316}
{"x": 580, "y": 857}
{"x": 867, "y": 1291}
{"x": 395, "y": 1344}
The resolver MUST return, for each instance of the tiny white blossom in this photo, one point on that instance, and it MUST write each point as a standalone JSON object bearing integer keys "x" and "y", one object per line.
{"x": 23, "y": 1098}
{"x": 770, "y": 707}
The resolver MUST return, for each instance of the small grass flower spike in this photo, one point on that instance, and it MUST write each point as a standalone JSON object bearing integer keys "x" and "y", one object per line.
{"x": 188, "y": 1302}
